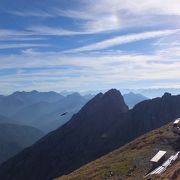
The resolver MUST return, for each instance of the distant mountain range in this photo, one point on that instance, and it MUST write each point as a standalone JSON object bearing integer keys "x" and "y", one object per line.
{"x": 14, "y": 138}
{"x": 41, "y": 109}
{"x": 131, "y": 99}
{"x": 102, "y": 125}
{"x": 18, "y": 100}
{"x": 148, "y": 92}
{"x": 156, "y": 92}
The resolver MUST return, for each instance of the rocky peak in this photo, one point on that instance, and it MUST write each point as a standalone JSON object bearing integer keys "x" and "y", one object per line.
{"x": 111, "y": 101}
{"x": 114, "y": 97}
{"x": 166, "y": 95}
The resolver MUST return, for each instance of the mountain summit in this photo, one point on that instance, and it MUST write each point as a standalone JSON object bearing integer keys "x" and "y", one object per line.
{"x": 111, "y": 102}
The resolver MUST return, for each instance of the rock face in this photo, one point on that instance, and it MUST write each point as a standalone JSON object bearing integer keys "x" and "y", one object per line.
{"x": 154, "y": 113}
{"x": 102, "y": 125}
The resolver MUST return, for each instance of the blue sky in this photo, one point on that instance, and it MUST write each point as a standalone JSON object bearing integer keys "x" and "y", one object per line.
{"x": 89, "y": 45}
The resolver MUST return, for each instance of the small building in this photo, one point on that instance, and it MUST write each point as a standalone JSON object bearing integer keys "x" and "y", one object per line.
{"x": 176, "y": 126}
{"x": 176, "y": 122}
{"x": 158, "y": 159}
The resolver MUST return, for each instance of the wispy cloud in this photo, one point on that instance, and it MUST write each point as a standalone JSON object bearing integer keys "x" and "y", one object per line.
{"x": 9, "y": 32}
{"x": 125, "y": 39}
{"x": 21, "y": 45}
{"x": 170, "y": 7}
{"x": 21, "y": 38}
{"x": 82, "y": 9}
{"x": 105, "y": 15}
{"x": 54, "y": 31}
{"x": 18, "y": 35}
{"x": 18, "y": 39}
{"x": 32, "y": 13}
{"x": 45, "y": 30}
{"x": 57, "y": 71}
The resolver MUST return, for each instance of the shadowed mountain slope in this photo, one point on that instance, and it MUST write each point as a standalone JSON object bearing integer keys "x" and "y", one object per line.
{"x": 132, "y": 161}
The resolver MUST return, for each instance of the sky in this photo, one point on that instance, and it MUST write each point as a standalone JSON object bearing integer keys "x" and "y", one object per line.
{"x": 82, "y": 45}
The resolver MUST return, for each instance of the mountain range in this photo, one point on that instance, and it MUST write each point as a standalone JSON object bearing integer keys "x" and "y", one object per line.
{"x": 153, "y": 92}
{"x": 12, "y": 103}
{"x": 42, "y": 110}
{"x": 104, "y": 124}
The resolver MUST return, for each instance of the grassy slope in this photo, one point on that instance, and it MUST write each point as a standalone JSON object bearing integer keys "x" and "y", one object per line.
{"x": 130, "y": 161}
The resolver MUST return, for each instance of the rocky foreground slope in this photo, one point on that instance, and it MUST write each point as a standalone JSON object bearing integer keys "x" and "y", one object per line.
{"x": 131, "y": 162}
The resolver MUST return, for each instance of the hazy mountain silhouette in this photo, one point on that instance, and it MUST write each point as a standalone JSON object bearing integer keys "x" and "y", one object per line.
{"x": 9, "y": 105}
{"x": 102, "y": 125}
{"x": 46, "y": 115}
{"x": 41, "y": 109}
{"x": 156, "y": 92}
{"x": 14, "y": 138}
{"x": 131, "y": 99}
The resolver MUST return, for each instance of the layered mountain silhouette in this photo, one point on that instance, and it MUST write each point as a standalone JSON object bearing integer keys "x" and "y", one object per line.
{"x": 131, "y": 99}
{"x": 41, "y": 109}
{"x": 14, "y": 102}
{"x": 102, "y": 125}
{"x": 14, "y": 138}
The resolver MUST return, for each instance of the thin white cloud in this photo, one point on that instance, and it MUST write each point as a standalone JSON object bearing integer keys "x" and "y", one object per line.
{"x": 105, "y": 15}
{"x": 83, "y": 9}
{"x": 54, "y": 31}
{"x": 15, "y": 35}
{"x": 45, "y": 30}
{"x": 159, "y": 7}
{"x": 46, "y": 70}
{"x": 14, "y": 39}
{"x": 21, "y": 45}
{"x": 32, "y": 13}
{"x": 9, "y": 32}
{"x": 125, "y": 39}
{"x": 20, "y": 38}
